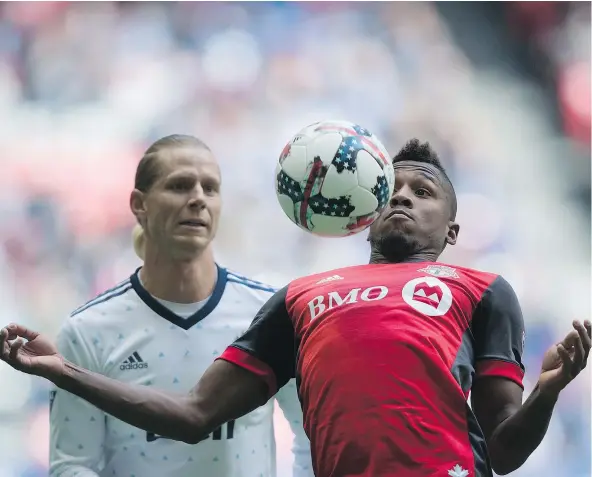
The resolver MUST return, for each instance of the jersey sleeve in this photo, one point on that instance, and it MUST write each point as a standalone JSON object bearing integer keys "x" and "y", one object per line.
{"x": 289, "y": 403}
{"x": 77, "y": 429}
{"x": 498, "y": 330}
{"x": 268, "y": 347}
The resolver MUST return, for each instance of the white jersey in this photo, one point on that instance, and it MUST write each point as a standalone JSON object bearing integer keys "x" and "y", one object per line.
{"x": 128, "y": 335}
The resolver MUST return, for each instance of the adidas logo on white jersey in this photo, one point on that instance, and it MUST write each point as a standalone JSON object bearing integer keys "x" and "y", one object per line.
{"x": 329, "y": 279}
{"x": 133, "y": 362}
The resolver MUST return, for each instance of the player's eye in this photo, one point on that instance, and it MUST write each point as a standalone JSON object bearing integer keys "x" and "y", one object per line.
{"x": 422, "y": 192}
{"x": 180, "y": 185}
{"x": 210, "y": 188}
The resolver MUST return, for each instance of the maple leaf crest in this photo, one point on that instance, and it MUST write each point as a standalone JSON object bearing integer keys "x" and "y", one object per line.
{"x": 458, "y": 471}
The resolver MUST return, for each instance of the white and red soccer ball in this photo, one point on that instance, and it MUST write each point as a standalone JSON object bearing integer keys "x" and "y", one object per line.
{"x": 334, "y": 178}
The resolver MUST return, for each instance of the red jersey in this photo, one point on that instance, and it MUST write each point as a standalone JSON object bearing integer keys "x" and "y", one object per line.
{"x": 384, "y": 356}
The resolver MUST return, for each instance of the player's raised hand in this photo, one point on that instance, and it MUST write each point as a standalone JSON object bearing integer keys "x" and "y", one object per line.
{"x": 564, "y": 361}
{"x": 29, "y": 351}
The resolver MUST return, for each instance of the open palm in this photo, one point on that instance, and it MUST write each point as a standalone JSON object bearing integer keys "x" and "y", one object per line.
{"x": 37, "y": 355}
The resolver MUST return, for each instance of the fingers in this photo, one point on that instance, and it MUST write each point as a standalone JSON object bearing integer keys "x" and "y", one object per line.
{"x": 11, "y": 342}
{"x": 565, "y": 358}
{"x": 570, "y": 340}
{"x": 585, "y": 332}
{"x": 15, "y": 330}
{"x": 14, "y": 349}
{"x": 588, "y": 346}
{"x": 582, "y": 347}
{"x": 575, "y": 348}
{"x": 4, "y": 346}
{"x": 578, "y": 360}
{"x": 567, "y": 350}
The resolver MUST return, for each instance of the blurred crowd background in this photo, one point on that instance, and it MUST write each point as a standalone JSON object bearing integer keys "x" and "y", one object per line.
{"x": 501, "y": 90}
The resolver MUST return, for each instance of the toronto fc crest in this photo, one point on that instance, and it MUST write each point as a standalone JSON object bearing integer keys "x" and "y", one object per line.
{"x": 441, "y": 271}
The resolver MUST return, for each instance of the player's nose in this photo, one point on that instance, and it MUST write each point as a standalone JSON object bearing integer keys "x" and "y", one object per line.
{"x": 401, "y": 198}
{"x": 197, "y": 197}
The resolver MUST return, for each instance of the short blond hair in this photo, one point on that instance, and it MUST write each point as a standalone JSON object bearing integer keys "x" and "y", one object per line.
{"x": 147, "y": 171}
{"x": 139, "y": 241}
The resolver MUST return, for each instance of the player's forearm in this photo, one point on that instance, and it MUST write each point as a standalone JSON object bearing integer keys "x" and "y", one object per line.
{"x": 167, "y": 415}
{"x": 520, "y": 434}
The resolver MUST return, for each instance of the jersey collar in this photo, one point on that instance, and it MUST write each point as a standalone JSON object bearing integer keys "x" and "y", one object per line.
{"x": 172, "y": 317}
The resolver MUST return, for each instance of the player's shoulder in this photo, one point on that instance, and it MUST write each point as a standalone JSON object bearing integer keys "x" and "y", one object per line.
{"x": 112, "y": 301}
{"x": 486, "y": 277}
{"x": 101, "y": 320}
{"x": 242, "y": 282}
{"x": 446, "y": 268}
{"x": 491, "y": 286}
{"x": 248, "y": 288}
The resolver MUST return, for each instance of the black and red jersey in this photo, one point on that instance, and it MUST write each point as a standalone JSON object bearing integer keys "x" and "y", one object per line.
{"x": 385, "y": 356}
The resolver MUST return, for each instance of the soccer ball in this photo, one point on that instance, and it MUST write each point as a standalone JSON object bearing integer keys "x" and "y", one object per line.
{"x": 334, "y": 178}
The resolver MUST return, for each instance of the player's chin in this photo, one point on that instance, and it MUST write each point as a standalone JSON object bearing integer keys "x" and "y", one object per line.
{"x": 386, "y": 230}
{"x": 398, "y": 236}
{"x": 396, "y": 242}
{"x": 193, "y": 242}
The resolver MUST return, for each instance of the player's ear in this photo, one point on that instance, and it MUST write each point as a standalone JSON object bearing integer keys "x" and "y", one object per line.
{"x": 138, "y": 206}
{"x": 452, "y": 235}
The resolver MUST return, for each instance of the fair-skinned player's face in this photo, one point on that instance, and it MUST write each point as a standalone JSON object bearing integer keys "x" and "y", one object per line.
{"x": 180, "y": 212}
{"x": 418, "y": 216}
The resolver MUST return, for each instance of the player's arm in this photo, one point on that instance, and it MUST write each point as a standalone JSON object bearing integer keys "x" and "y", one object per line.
{"x": 224, "y": 392}
{"x": 290, "y": 405}
{"x": 230, "y": 388}
{"x": 77, "y": 429}
{"x": 514, "y": 430}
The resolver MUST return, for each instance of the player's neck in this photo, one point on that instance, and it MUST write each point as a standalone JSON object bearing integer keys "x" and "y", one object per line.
{"x": 423, "y": 256}
{"x": 180, "y": 281}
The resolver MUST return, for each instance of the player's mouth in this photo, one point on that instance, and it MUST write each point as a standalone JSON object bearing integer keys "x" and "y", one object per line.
{"x": 194, "y": 223}
{"x": 399, "y": 213}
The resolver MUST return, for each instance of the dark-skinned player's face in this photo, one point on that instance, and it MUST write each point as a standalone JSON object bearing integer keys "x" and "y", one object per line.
{"x": 419, "y": 217}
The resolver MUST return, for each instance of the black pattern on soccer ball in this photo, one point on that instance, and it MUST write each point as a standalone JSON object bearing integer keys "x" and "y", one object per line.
{"x": 288, "y": 186}
{"x": 361, "y": 131}
{"x": 381, "y": 192}
{"x": 345, "y": 157}
{"x": 340, "y": 207}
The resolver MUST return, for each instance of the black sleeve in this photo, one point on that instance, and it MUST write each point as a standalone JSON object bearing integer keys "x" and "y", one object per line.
{"x": 498, "y": 329}
{"x": 267, "y": 348}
